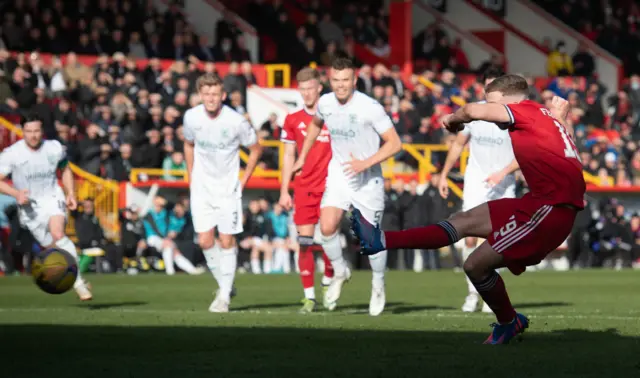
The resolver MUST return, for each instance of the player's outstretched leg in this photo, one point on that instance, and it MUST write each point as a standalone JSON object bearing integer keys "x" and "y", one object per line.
{"x": 60, "y": 240}
{"x": 329, "y": 220}
{"x": 307, "y": 266}
{"x": 480, "y": 268}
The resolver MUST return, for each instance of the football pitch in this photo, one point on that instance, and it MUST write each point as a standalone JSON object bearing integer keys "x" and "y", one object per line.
{"x": 583, "y": 324}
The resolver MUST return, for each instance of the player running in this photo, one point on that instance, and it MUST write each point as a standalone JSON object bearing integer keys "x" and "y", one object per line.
{"x": 489, "y": 176}
{"x": 310, "y": 184}
{"x": 356, "y": 123}
{"x": 520, "y": 232}
{"x": 33, "y": 164}
{"x": 213, "y": 135}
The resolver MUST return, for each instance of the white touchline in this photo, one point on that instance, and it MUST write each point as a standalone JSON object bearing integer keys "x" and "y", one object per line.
{"x": 425, "y": 314}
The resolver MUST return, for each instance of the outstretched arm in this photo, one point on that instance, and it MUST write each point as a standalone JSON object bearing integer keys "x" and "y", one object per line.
{"x": 490, "y": 112}
{"x": 313, "y": 130}
{"x": 497, "y": 177}
{"x": 452, "y": 156}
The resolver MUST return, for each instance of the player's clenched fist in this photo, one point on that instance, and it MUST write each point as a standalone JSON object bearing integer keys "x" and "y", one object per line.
{"x": 72, "y": 203}
{"x": 453, "y": 127}
{"x": 285, "y": 200}
{"x": 23, "y": 197}
{"x": 560, "y": 107}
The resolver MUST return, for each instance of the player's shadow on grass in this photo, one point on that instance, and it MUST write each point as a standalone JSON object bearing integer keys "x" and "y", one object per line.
{"x": 252, "y": 351}
{"x": 540, "y": 305}
{"x": 409, "y": 309}
{"x": 106, "y": 306}
{"x": 265, "y": 306}
{"x": 364, "y": 307}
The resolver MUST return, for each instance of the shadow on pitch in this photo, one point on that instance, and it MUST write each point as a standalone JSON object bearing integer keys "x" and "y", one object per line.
{"x": 265, "y": 306}
{"x": 106, "y": 306}
{"x": 364, "y": 307}
{"x": 409, "y": 309}
{"x": 541, "y": 305}
{"x": 253, "y": 351}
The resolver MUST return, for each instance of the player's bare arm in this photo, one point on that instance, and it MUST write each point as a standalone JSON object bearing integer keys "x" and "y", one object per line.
{"x": 497, "y": 177}
{"x": 490, "y": 112}
{"x": 287, "y": 170}
{"x": 313, "y": 131}
{"x": 452, "y": 157}
{"x": 391, "y": 146}
{"x": 21, "y": 196}
{"x": 255, "y": 151}
{"x": 188, "y": 157}
{"x": 68, "y": 187}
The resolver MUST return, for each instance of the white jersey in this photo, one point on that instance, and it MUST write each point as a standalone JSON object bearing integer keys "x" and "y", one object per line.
{"x": 490, "y": 150}
{"x": 216, "y": 165}
{"x": 34, "y": 170}
{"x": 355, "y": 129}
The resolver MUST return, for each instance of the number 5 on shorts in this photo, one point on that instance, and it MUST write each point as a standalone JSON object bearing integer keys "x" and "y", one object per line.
{"x": 377, "y": 217}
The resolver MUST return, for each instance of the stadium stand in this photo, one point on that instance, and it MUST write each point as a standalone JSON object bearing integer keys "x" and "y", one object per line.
{"x": 113, "y": 78}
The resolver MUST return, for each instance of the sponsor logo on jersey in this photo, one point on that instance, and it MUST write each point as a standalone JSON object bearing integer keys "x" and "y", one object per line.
{"x": 343, "y": 134}
{"x": 488, "y": 141}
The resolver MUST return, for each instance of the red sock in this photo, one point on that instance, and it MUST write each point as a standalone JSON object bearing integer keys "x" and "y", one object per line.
{"x": 430, "y": 237}
{"x": 328, "y": 268}
{"x": 307, "y": 265}
{"x": 494, "y": 294}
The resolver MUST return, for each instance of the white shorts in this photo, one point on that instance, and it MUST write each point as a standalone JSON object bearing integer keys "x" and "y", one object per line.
{"x": 476, "y": 192}
{"x": 155, "y": 241}
{"x": 368, "y": 198}
{"x": 35, "y": 217}
{"x": 223, "y": 213}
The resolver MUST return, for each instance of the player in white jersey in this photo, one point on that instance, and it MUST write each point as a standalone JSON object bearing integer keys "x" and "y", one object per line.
{"x": 489, "y": 176}
{"x": 356, "y": 123}
{"x": 214, "y": 134}
{"x": 33, "y": 164}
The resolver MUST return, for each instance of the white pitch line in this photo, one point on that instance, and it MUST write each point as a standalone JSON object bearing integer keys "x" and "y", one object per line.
{"x": 451, "y": 315}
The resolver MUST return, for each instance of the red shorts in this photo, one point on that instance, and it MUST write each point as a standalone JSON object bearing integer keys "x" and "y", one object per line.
{"x": 525, "y": 231}
{"x": 306, "y": 207}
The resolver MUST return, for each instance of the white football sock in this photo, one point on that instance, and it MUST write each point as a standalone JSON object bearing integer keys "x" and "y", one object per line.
{"x": 326, "y": 280}
{"x": 285, "y": 260}
{"x": 278, "y": 260}
{"x": 333, "y": 249}
{"x": 296, "y": 256}
{"x": 184, "y": 264}
{"x": 139, "y": 251}
{"x": 378, "y": 264}
{"x": 167, "y": 256}
{"x": 212, "y": 257}
{"x": 228, "y": 264}
{"x": 267, "y": 265}
{"x": 255, "y": 267}
{"x": 67, "y": 245}
{"x": 310, "y": 293}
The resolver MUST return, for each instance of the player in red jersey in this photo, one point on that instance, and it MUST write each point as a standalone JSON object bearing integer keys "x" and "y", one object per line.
{"x": 310, "y": 183}
{"x": 519, "y": 232}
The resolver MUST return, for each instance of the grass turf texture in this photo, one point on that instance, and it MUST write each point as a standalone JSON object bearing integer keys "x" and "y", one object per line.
{"x": 583, "y": 324}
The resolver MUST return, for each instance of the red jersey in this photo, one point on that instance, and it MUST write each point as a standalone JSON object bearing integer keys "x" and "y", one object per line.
{"x": 546, "y": 154}
{"x": 314, "y": 173}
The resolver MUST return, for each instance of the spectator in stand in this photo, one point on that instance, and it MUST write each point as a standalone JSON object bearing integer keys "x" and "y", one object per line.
{"x": 583, "y": 62}
{"x": 559, "y": 63}
{"x": 174, "y": 162}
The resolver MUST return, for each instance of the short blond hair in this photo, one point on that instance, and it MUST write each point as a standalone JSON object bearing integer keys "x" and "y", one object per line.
{"x": 208, "y": 80}
{"x": 307, "y": 74}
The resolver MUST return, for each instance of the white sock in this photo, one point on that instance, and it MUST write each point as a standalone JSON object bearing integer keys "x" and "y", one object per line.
{"x": 472, "y": 289}
{"x": 278, "y": 260}
{"x": 310, "y": 293}
{"x": 267, "y": 265}
{"x": 255, "y": 267}
{"x": 326, "y": 280}
{"x": 184, "y": 264}
{"x": 296, "y": 256}
{"x": 467, "y": 251}
{"x": 418, "y": 261}
{"x": 378, "y": 264}
{"x": 285, "y": 260}
{"x": 333, "y": 249}
{"x": 67, "y": 245}
{"x": 228, "y": 264}
{"x": 212, "y": 257}
{"x": 167, "y": 256}
{"x": 139, "y": 251}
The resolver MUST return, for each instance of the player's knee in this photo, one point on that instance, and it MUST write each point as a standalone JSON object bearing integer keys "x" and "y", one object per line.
{"x": 328, "y": 230}
{"x": 226, "y": 243}
{"x": 57, "y": 235}
{"x": 205, "y": 241}
{"x": 470, "y": 267}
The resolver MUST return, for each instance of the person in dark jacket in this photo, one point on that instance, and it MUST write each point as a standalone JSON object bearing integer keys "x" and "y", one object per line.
{"x": 258, "y": 228}
{"x": 91, "y": 235}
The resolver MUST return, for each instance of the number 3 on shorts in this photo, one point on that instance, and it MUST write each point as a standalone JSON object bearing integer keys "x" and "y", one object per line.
{"x": 62, "y": 205}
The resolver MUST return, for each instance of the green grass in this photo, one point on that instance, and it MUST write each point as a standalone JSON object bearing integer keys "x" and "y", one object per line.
{"x": 583, "y": 324}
